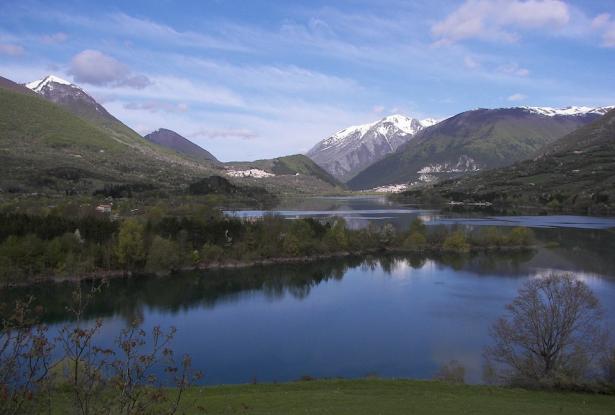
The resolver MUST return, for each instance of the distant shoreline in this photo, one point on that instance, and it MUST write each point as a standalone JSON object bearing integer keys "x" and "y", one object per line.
{"x": 241, "y": 264}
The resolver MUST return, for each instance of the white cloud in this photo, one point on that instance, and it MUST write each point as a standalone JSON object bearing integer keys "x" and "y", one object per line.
{"x": 517, "y": 97}
{"x": 513, "y": 69}
{"x": 242, "y": 134}
{"x": 95, "y": 68}
{"x": 157, "y": 106}
{"x": 54, "y": 38}
{"x": 470, "y": 62}
{"x": 11, "y": 50}
{"x": 606, "y": 25}
{"x": 498, "y": 20}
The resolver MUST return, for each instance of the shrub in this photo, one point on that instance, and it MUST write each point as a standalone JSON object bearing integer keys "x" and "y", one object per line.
{"x": 520, "y": 236}
{"x": 163, "y": 255}
{"x": 417, "y": 226}
{"x": 211, "y": 253}
{"x": 130, "y": 249}
{"x": 456, "y": 242}
{"x": 415, "y": 242}
{"x": 452, "y": 372}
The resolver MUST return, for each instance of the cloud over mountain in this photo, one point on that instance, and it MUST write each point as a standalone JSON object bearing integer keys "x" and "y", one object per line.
{"x": 96, "y": 68}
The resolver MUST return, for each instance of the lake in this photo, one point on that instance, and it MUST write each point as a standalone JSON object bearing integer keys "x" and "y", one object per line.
{"x": 390, "y": 316}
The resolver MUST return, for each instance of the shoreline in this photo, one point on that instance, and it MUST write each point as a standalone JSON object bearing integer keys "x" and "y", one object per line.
{"x": 240, "y": 264}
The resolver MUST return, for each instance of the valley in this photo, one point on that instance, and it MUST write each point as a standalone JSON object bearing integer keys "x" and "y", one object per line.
{"x": 259, "y": 207}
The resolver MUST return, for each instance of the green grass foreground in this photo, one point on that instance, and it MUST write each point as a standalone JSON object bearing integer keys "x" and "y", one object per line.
{"x": 375, "y": 396}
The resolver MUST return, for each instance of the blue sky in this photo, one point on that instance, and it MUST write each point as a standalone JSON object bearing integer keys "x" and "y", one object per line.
{"x": 257, "y": 79}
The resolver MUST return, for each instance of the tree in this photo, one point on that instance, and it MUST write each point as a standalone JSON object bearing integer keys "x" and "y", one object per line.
{"x": 456, "y": 242}
{"x": 130, "y": 249}
{"x": 417, "y": 226}
{"x": 452, "y": 372}
{"x": 552, "y": 334}
{"x": 415, "y": 242}
{"x": 163, "y": 256}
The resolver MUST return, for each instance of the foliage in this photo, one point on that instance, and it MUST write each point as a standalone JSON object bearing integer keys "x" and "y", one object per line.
{"x": 456, "y": 242}
{"x": 158, "y": 242}
{"x": 415, "y": 242}
{"x": 130, "y": 248}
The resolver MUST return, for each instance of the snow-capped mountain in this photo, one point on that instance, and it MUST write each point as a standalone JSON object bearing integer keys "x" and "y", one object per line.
{"x": 567, "y": 111}
{"x": 347, "y": 152}
{"x": 70, "y": 96}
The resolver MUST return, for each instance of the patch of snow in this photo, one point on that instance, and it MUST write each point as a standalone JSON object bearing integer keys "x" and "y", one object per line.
{"x": 391, "y": 188}
{"x": 38, "y": 85}
{"x": 255, "y": 173}
{"x": 567, "y": 111}
{"x": 464, "y": 164}
{"x": 428, "y": 122}
{"x": 427, "y": 178}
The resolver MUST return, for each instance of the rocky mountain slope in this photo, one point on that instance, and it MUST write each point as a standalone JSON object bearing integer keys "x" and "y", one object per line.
{"x": 352, "y": 149}
{"x": 473, "y": 141}
{"x": 171, "y": 140}
{"x": 576, "y": 172}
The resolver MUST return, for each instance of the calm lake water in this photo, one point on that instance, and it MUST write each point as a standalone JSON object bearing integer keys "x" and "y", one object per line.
{"x": 392, "y": 316}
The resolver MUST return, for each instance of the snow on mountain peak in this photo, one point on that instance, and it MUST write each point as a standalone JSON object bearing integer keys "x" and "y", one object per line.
{"x": 428, "y": 122}
{"x": 573, "y": 110}
{"x": 351, "y": 149}
{"x": 38, "y": 85}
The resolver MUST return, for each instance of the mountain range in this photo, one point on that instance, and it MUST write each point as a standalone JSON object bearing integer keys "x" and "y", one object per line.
{"x": 472, "y": 141}
{"x": 576, "y": 172}
{"x": 54, "y": 137}
{"x": 347, "y": 152}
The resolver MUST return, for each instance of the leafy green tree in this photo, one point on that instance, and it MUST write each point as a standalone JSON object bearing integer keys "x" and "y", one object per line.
{"x": 521, "y": 236}
{"x": 163, "y": 255}
{"x": 336, "y": 237}
{"x": 418, "y": 226}
{"x": 130, "y": 248}
{"x": 415, "y": 242}
{"x": 456, "y": 242}
{"x": 211, "y": 253}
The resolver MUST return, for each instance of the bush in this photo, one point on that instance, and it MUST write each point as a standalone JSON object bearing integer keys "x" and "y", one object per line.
{"x": 520, "y": 236}
{"x": 452, "y": 372}
{"x": 417, "y": 226}
{"x": 163, "y": 255}
{"x": 130, "y": 249}
{"x": 415, "y": 242}
{"x": 456, "y": 242}
{"x": 211, "y": 253}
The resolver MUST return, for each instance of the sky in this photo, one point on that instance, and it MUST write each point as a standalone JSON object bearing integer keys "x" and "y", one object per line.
{"x": 263, "y": 78}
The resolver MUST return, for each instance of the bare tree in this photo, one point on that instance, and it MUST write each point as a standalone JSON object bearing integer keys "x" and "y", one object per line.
{"x": 137, "y": 388}
{"x": 83, "y": 361}
{"x": 24, "y": 358}
{"x": 553, "y": 333}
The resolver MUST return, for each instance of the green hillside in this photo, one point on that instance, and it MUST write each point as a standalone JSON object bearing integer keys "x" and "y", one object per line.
{"x": 480, "y": 139}
{"x": 45, "y": 148}
{"x": 298, "y": 163}
{"x": 576, "y": 172}
{"x": 293, "y": 174}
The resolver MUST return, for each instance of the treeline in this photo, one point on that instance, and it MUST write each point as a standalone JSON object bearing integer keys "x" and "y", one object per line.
{"x": 46, "y": 246}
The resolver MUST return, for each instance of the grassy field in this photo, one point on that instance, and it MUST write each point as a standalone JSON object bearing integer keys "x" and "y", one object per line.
{"x": 374, "y": 396}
